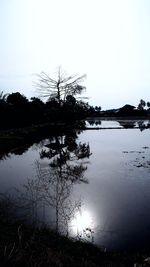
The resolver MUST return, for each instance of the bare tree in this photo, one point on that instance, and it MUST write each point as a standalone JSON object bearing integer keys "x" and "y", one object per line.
{"x": 60, "y": 87}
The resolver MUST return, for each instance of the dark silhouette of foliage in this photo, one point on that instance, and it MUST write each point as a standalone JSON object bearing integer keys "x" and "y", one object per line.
{"x": 94, "y": 111}
{"x": 141, "y": 105}
{"x": 17, "y": 111}
{"x": 17, "y": 99}
{"x": 148, "y": 104}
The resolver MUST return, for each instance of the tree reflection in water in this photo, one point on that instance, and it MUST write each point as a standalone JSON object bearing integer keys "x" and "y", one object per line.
{"x": 129, "y": 124}
{"x": 53, "y": 185}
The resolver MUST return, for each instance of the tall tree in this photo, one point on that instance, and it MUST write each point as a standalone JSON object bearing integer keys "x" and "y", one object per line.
{"x": 61, "y": 87}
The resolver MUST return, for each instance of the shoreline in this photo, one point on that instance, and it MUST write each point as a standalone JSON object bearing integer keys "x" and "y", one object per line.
{"x": 11, "y": 139}
{"x": 116, "y": 118}
{"x": 26, "y": 245}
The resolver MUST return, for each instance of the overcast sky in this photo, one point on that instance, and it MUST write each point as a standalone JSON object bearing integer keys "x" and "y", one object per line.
{"x": 109, "y": 40}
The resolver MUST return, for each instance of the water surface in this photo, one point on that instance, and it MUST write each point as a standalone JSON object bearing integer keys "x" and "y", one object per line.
{"x": 101, "y": 195}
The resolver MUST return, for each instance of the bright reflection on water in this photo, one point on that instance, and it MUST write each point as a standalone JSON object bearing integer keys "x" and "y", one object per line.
{"x": 82, "y": 225}
{"x": 109, "y": 204}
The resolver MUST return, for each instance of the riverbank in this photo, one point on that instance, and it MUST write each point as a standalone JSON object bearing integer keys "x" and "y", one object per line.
{"x": 26, "y": 246}
{"x": 16, "y": 139}
{"x": 20, "y": 138}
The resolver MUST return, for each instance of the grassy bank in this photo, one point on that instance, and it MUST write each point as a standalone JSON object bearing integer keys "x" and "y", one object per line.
{"x": 23, "y": 245}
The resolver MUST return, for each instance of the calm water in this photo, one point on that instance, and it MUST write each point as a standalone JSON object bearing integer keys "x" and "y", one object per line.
{"x": 94, "y": 186}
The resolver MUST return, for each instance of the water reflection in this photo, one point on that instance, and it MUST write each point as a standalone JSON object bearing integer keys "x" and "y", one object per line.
{"x": 94, "y": 122}
{"x": 4, "y": 156}
{"x": 119, "y": 123}
{"x": 143, "y": 125}
{"x": 112, "y": 210}
{"x": 17, "y": 151}
{"x": 52, "y": 188}
{"x": 127, "y": 124}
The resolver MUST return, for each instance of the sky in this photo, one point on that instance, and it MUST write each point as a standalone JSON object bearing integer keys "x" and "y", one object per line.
{"x": 108, "y": 40}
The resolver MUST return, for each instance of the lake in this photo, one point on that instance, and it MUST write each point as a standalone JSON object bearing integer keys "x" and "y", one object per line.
{"x": 93, "y": 185}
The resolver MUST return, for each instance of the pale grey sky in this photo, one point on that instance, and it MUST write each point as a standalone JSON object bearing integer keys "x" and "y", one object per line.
{"x": 109, "y": 40}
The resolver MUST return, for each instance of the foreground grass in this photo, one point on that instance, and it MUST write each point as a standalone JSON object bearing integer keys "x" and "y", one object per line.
{"x": 26, "y": 246}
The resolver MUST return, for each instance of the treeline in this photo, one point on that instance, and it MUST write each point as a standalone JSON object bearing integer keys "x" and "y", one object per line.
{"x": 142, "y": 109}
{"x": 16, "y": 110}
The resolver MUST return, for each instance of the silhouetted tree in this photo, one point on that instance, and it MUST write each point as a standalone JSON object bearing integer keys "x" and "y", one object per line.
{"x": 18, "y": 110}
{"x": 141, "y": 105}
{"x": 36, "y": 101}
{"x": 37, "y": 110}
{"x": 98, "y": 109}
{"x": 4, "y": 110}
{"x": 17, "y": 99}
{"x": 60, "y": 87}
{"x": 148, "y": 104}
{"x": 70, "y": 100}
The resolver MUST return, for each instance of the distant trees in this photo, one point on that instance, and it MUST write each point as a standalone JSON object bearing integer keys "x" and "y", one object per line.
{"x": 98, "y": 109}
{"x": 94, "y": 111}
{"x": 61, "y": 87}
{"x": 148, "y": 104}
{"x": 141, "y": 105}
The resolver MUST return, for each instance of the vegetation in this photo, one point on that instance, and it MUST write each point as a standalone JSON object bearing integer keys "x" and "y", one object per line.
{"x": 62, "y": 104}
{"x": 143, "y": 109}
{"x": 29, "y": 121}
{"x": 17, "y": 111}
{"x": 25, "y": 245}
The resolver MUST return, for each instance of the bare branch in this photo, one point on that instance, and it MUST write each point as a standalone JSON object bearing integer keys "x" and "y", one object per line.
{"x": 60, "y": 87}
